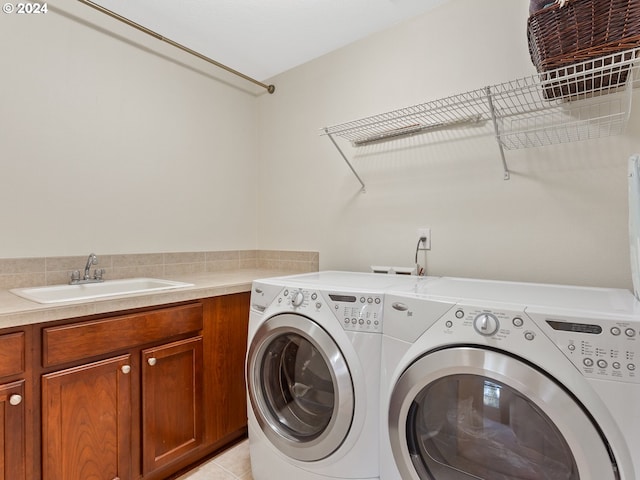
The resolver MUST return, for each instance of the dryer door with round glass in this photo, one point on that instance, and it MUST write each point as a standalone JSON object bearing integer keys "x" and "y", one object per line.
{"x": 465, "y": 413}
{"x": 300, "y": 387}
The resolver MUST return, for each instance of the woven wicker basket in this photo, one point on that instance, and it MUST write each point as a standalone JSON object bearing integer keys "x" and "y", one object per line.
{"x": 582, "y": 30}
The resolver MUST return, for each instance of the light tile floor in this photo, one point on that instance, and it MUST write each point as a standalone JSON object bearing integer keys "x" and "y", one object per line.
{"x": 232, "y": 464}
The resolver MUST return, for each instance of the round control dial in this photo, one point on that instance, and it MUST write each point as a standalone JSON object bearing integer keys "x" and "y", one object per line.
{"x": 297, "y": 298}
{"x": 486, "y": 324}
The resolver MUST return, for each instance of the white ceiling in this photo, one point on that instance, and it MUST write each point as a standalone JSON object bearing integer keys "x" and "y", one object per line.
{"x": 262, "y": 38}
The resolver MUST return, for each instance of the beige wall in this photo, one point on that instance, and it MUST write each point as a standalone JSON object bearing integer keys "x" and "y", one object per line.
{"x": 561, "y": 218}
{"x": 112, "y": 141}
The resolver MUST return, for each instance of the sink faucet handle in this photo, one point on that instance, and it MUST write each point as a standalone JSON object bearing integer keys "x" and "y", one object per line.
{"x": 75, "y": 275}
{"x": 98, "y": 273}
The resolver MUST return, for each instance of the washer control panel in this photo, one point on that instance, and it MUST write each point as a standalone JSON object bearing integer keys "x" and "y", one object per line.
{"x": 300, "y": 299}
{"x": 358, "y": 312}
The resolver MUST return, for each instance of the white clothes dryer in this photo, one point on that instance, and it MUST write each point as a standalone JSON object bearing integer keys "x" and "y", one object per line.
{"x": 313, "y": 375}
{"x": 510, "y": 381}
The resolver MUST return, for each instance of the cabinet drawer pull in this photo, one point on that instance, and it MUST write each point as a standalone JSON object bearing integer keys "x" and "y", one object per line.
{"x": 151, "y": 361}
{"x": 125, "y": 369}
{"x": 15, "y": 399}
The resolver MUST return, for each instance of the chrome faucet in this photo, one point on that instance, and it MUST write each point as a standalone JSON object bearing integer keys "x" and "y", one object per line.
{"x": 87, "y": 278}
{"x": 92, "y": 260}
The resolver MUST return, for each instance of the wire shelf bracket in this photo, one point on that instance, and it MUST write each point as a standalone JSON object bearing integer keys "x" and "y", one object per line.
{"x": 496, "y": 129}
{"x": 363, "y": 189}
{"x": 585, "y": 100}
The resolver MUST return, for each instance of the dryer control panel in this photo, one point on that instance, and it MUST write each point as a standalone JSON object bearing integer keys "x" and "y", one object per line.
{"x": 606, "y": 349}
{"x": 358, "y": 312}
{"x": 603, "y": 348}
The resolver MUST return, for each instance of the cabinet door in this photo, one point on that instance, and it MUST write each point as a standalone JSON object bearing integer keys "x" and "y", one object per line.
{"x": 12, "y": 429}
{"x": 86, "y": 422}
{"x": 226, "y": 329}
{"x": 171, "y": 402}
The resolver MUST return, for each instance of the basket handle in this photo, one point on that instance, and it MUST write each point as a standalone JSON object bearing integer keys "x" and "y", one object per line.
{"x": 539, "y": 5}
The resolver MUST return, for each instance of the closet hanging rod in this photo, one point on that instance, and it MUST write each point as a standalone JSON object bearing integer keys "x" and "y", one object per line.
{"x": 269, "y": 88}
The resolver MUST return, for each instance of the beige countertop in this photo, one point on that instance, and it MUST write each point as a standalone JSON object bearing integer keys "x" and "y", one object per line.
{"x": 16, "y": 311}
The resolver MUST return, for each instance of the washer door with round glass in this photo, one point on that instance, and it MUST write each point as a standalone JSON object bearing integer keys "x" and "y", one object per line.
{"x": 300, "y": 387}
{"x": 470, "y": 413}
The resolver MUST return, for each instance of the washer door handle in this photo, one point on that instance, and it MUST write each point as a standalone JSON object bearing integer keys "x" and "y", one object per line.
{"x": 401, "y": 307}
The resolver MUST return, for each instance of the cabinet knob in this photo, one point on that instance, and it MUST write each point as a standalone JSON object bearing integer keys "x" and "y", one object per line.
{"x": 15, "y": 399}
{"x": 151, "y": 361}
{"x": 125, "y": 369}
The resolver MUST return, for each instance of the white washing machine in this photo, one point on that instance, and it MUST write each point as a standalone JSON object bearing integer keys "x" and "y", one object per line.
{"x": 510, "y": 381}
{"x": 313, "y": 375}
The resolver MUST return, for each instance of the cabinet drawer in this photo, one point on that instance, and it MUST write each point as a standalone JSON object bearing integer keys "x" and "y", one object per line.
{"x": 68, "y": 343}
{"x": 11, "y": 354}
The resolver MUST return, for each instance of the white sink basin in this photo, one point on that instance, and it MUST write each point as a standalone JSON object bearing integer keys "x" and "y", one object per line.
{"x": 88, "y": 291}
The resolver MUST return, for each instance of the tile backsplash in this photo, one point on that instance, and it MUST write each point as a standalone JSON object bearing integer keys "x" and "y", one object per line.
{"x": 30, "y": 272}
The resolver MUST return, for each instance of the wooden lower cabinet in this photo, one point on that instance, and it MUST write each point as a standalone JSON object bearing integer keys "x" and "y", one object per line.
{"x": 86, "y": 422}
{"x": 134, "y": 396}
{"x": 16, "y": 404}
{"x": 172, "y": 424}
{"x": 12, "y": 431}
{"x": 226, "y": 330}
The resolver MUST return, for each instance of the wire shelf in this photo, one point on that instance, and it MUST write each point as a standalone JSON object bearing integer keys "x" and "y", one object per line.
{"x": 470, "y": 107}
{"x": 586, "y": 100}
{"x": 591, "y": 99}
